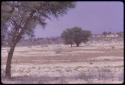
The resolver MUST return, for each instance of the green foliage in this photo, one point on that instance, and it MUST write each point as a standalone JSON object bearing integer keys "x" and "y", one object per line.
{"x": 65, "y": 35}
{"x": 23, "y": 16}
{"x": 75, "y": 35}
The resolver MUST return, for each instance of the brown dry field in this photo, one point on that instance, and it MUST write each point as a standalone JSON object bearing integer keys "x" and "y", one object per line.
{"x": 65, "y": 64}
{"x": 80, "y": 57}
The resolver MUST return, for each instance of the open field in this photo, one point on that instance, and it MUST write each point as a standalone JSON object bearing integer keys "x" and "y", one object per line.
{"x": 94, "y": 63}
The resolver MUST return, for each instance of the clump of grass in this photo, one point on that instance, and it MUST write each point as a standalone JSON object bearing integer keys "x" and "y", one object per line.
{"x": 121, "y": 76}
{"x": 100, "y": 74}
{"x": 44, "y": 45}
{"x": 87, "y": 76}
{"x": 58, "y": 50}
{"x": 105, "y": 74}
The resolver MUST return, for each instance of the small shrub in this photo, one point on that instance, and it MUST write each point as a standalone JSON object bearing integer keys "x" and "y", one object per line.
{"x": 87, "y": 76}
{"x": 58, "y": 50}
{"x": 105, "y": 73}
{"x": 121, "y": 76}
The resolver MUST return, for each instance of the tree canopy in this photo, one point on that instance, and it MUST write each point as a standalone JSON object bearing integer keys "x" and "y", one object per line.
{"x": 75, "y": 35}
{"x": 23, "y": 16}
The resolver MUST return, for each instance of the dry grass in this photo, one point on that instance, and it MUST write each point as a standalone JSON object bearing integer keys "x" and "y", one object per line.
{"x": 63, "y": 64}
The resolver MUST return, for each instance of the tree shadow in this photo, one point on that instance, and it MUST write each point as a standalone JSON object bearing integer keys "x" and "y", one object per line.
{"x": 81, "y": 46}
{"x": 34, "y": 80}
{"x": 85, "y": 77}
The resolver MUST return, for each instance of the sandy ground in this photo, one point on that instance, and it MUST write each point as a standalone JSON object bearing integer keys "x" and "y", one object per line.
{"x": 94, "y": 63}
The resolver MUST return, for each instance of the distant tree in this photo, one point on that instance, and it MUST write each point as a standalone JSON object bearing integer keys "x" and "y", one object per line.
{"x": 104, "y": 34}
{"x": 67, "y": 35}
{"x": 120, "y": 34}
{"x": 75, "y": 35}
{"x": 109, "y": 33}
{"x": 87, "y": 35}
{"x": 21, "y": 17}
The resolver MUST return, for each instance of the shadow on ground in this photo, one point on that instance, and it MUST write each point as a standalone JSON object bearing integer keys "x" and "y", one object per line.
{"x": 34, "y": 79}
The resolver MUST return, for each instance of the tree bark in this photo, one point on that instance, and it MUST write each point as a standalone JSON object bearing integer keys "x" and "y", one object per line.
{"x": 77, "y": 44}
{"x": 71, "y": 45}
{"x": 15, "y": 40}
{"x": 9, "y": 60}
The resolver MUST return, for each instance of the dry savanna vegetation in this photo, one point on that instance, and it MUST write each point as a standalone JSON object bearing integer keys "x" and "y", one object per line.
{"x": 28, "y": 60}
{"x": 93, "y": 63}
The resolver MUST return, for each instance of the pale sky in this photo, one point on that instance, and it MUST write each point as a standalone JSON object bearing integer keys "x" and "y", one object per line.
{"x": 94, "y": 16}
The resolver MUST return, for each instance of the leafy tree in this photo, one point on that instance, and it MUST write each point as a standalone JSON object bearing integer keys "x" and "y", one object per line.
{"x": 87, "y": 35}
{"x": 104, "y": 34}
{"x": 21, "y": 17}
{"x": 75, "y": 35}
{"x": 67, "y": 35}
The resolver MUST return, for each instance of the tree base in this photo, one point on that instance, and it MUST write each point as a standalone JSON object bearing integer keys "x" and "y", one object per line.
{"x": 8, "y": 76}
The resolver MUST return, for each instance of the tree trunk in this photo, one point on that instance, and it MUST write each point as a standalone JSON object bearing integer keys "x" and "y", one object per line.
{"x": 77, "y": 44}
{"x": 9, "y": 59}
{"x": 12, "y": 47}
{"x": 71, "y": 45}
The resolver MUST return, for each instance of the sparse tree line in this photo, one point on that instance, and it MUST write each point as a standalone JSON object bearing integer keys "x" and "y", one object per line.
{"x": 64, "y": 39}
{"x": 110, "y": 36}
{"x": 38, "y": 41}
